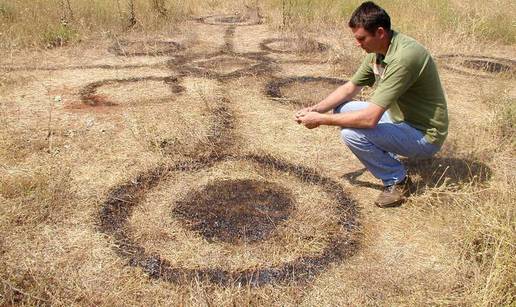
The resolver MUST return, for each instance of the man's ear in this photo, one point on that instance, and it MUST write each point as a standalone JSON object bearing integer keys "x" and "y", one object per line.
{"x": 380, "y": 32}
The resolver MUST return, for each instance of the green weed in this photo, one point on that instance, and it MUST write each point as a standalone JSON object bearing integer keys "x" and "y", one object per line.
{"x": 59, "y": 36}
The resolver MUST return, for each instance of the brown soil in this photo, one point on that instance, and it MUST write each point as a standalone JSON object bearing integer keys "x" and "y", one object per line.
{"x": 302, "y": 91}
{"x": 235, "y": 211}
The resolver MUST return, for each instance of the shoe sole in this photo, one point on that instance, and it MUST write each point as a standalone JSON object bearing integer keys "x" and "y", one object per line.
{"x": 390, "y": 205}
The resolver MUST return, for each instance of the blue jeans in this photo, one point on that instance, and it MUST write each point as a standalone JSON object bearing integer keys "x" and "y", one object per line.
{"x": 378, "y": 148}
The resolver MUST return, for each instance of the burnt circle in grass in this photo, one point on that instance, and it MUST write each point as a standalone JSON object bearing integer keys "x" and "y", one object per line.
{"x": 222, "y": 65}
{"x": 480, "y": 66}
{"x": 145, "y": 48}
{"x": 227, "y": 19}
{"x": 122, "y": 200}
{"x": 292, "y": 45}
{"x": 302, "y": 91}
{"x": 90, "y": 97}
{"x": 235, "y": 211}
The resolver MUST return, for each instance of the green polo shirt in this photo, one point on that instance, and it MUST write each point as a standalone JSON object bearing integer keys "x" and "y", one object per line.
{"x": 408, "y": 86}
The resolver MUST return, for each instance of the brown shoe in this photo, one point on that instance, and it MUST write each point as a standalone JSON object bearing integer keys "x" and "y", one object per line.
{"x": 394, "y": 195}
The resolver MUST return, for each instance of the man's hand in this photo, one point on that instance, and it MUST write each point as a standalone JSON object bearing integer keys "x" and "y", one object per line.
{"x": 304, "y": 111}
{"x": 309, "y": 119}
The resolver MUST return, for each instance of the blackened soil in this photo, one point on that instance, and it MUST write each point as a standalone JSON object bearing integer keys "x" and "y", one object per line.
{"x": 235, "y": 211}
{"x": 302, "y": 91}
{"x": 488, "y": 66}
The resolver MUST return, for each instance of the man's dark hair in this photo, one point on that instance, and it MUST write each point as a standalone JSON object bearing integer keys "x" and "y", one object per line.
{"x": 370, "y": 17}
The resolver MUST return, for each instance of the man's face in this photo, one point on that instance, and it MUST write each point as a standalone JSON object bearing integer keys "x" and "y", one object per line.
{"x": 370, "y": 42}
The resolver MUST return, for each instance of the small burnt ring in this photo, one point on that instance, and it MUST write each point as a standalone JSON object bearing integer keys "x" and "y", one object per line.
{"x": 166, "y": 48}
{"x": 89, "y": 97}
{"x": 273, "y": 88}
{"x": 264, "y": 45}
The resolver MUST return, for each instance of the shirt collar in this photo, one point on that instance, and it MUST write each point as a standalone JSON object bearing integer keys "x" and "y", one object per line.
{"x": 392, "y": 49}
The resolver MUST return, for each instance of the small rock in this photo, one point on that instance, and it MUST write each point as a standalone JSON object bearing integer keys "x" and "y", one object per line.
{"x": 90, "y": 122}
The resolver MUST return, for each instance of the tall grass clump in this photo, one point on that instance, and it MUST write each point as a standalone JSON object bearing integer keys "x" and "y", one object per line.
{"x": 489, "y": 243}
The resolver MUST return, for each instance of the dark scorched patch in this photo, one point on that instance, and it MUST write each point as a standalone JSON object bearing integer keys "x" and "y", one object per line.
{"x": 235, "y": 211}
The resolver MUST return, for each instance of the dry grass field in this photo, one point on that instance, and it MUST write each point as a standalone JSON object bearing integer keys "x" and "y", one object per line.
{"x": 149, "y": 157}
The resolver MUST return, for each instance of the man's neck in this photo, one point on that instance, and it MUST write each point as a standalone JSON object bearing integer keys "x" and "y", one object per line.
{"x": 385, "y": 46}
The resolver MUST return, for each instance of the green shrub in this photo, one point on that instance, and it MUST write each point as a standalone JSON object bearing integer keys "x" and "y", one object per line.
{"x": 59, "y": 36}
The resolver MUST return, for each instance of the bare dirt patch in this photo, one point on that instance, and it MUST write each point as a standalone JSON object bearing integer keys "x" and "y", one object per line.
{"x": 302, "y": 91}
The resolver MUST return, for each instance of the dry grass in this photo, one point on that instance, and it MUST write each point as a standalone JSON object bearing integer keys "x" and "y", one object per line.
{"x": 452, "y": 244}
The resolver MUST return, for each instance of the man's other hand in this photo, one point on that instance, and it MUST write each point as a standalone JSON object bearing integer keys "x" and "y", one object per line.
{"x": 304, "y": 111}
{"x": 309, "y": 119}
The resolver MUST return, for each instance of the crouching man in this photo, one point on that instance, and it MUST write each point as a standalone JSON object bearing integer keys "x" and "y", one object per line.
{"x": 407, "y": 113}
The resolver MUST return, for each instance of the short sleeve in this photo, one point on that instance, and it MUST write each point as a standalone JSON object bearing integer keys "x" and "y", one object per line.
{"x": 364, "y": 76}
{"x": 396, "y": 80}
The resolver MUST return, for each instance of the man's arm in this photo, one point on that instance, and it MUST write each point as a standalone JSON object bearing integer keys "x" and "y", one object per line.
{"x": 343, "y": 93}
{"x": 365, "y": 118}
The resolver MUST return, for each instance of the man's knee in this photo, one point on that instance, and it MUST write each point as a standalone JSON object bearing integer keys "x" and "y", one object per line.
{"x": 351, "y": 136}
